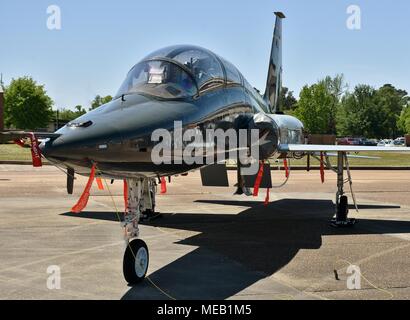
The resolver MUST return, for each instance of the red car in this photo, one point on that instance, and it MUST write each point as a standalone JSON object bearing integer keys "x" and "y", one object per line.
{"x": 348, "y": 142}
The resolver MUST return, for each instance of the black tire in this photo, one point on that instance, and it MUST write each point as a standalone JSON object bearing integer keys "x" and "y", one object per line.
{"x": 343, "y": 209}
{"x": 133, "y": 273}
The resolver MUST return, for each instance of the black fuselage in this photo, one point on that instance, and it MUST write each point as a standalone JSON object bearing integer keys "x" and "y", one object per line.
{"x": 117, "y": 135}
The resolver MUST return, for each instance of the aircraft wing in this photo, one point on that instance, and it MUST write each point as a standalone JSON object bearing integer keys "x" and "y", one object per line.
{"x": 10, "y": 136}
{"x": 309, "y": 148}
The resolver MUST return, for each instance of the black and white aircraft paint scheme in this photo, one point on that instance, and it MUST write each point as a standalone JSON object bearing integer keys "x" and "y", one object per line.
{"x": 201, "y": 90}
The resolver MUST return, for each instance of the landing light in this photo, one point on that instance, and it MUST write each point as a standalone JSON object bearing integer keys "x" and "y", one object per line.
{"x": 80, "y": 124}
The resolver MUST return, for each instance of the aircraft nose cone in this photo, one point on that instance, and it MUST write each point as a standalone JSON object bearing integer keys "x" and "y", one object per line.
{"x": 48, "y": 149}
{"x": 104, "y": 133}
{"x": 70, "y": 145}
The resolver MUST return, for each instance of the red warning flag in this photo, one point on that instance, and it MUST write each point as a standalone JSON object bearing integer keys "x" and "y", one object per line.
{"x": 322, "y": 168}
{"x": 163, "y": 186}
{"x": 267, "y": 197}
{"x": 258, "y": 180}
{"x": 125, "y": 195}
{"x": 19, "y": 142}
{"x": 99, "y": 184}
{"x": 35, "y": 151}
{"x": 285, "y": 164}
{"x": 82, "y": 202}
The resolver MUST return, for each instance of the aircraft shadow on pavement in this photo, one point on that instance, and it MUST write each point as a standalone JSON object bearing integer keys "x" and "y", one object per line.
{"x": 237, "y": 250}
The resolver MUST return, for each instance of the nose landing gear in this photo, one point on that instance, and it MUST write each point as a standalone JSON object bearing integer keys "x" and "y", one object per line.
{"x": 136, "y": 260}
{"x": 141, "y": 197}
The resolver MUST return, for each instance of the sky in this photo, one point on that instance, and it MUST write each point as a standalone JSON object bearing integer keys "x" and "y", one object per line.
{"x": 99, "y": 41}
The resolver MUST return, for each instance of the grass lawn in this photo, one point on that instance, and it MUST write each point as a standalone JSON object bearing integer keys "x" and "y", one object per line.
{"x": 14, "y": 152}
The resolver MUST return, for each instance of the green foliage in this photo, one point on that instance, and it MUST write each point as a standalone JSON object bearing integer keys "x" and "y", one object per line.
{"x": 359, "y": 114}
{"x": 404, "y": 120}
{"x": 313, "y": 108}
{"x": 326, "y": 108}
{"x": 27, "y": 106}
{"x": 318, "y": 105}
{"x": 99, "y": 101}
{"x": 371, "y": 113}
{"x": 391, "y": 102}
{"x": 69, "y": 115}
{"x": 336, "y": 86}
{"x": 288, "y": 101}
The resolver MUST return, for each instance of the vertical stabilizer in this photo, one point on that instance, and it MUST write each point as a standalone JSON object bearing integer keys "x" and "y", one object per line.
{"x": 274, "y": 82}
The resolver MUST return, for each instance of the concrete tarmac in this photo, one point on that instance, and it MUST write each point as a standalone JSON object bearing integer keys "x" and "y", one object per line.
{"x": 208, "y": 244}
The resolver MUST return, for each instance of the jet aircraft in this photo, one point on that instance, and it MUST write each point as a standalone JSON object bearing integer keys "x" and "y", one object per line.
{"x": 200, "y": 90}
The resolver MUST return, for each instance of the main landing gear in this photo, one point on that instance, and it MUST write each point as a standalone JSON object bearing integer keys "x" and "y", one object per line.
{"x": 141, "y": 198}
{"x": 342, "y": 204}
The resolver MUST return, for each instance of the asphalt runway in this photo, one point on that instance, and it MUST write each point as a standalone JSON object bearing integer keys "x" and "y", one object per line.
{"x": 208, "y": 244}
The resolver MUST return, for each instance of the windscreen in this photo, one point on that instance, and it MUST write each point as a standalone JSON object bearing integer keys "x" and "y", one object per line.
{"x": 203, "y": 65}
{"x": 160, "y": 79}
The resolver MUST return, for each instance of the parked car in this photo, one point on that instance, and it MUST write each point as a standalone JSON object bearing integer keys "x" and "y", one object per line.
{"x": 386, "y": 143}
{"x": 400, "y": 142}
{"x": 370, "y": 142}
{"x": 348, "y": 142}
{"x": 343, "y": 142}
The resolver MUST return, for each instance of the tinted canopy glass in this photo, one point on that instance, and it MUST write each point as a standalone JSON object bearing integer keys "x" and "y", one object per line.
{"x": 203, "y": 64}
{"x": 232, "y": 74}
{"x": 159, "y": 78}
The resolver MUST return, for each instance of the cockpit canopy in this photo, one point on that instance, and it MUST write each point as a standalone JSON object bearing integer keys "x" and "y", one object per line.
{"x": 159, "y": 78}
{"x": 178, "y": 72}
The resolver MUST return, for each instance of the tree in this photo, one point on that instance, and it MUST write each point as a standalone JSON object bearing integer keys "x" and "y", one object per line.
{"x": 404, "y": 121}
{"x": 318, "y": 105}
{"x": 27, "y": 106}
{"x": 288, "y": 101}
{"x": 99, "y": 101}
{"x": 335, "y": 87}
{"x": 314, "y": 108}
{"x": 69, "y": 115}
{"x": 372, "y": 113}
{"x": 391, "y": 101}
{"x": 360, "y": 115}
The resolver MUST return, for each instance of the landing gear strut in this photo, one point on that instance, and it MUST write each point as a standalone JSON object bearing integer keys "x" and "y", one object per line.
{"x": 141, "y": 197}
{"x": 342, "y": 204}
{"x": 149, "y": 213}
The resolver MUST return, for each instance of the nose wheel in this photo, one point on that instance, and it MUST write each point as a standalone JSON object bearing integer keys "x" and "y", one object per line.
{"x": 136, "y": 260}
{"x": 141, "y": 198}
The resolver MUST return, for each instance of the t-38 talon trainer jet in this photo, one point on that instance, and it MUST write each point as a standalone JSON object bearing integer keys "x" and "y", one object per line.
{"x": 201, "y": 91}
